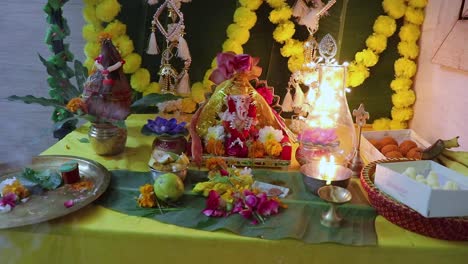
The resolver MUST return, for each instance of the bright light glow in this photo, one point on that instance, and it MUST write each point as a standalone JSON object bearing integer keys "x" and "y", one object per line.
{"x": 327, "y": 169}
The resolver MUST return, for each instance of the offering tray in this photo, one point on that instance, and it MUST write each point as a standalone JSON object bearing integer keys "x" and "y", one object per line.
{"x": 448, "y": 228}
{"x": 50, "y": 204}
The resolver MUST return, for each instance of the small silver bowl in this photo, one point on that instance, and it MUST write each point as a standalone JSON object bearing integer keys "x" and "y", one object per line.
{"x": 181, "y": 173}
{"x": 313, "y": 181}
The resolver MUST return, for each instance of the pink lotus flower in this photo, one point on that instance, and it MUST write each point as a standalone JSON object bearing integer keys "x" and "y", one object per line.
{"x": 229, "y": 64}
{"x": 322, "y": 136}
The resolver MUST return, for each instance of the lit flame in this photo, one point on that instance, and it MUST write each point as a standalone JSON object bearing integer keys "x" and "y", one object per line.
{"x": 327, "y": 169}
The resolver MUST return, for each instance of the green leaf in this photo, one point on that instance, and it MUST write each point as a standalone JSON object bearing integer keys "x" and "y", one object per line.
{"x": 72, "y": 119}
{"x": 83, "y": 140}
{"x": 47, "y": 9}
{"x": 47, "y": 179}
{"x": 81, "y": 73}
{"x": 55, "y": 4}
{"x": 29, "y": 99}
{"x": 153, "y": 99}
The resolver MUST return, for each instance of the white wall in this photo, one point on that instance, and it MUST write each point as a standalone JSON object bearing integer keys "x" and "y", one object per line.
{"x": 441, "y": 109}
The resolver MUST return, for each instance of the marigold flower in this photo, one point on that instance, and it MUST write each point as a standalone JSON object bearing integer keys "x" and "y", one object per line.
{"x": 357, "y": 74}
{"x": 409, "y": 32}
{"x": 404, "y": 98}
{"x": 257, "y": 150}
{"x": 395, "y": 124}
{"x": 295, "y": 63}
{"x": 276, "y": 3}
{"x": 116, "y": 29}
{"x": 232, "y": 45}
{"x": 124, "y": 44}
{"x": 132, "y": 63}
{"x": 238, "y": 34}
{"x": 377, "y": 42}
{"x": 408, "y": 49}
{"x": 140, "y": 80}
{"x": 153, "y": 87}
{"x": 394, "y": 8}
{"x": 405, "y": 68}
{"x": 251, "y": 4}
{"x": 402, "y": 114}
{"x": 17, "y": 188}
{"x": 245, "y": 17}
{"x": 215, "y": 163}
{"x": 76, "y": 103}
{"x": 273, "y": 148}
{"x": 385, "y": 25}
{"x": 215, "y": 147}
{"x": 147, "y": 197}
{"x": 417, "y": 3}
{"x": 367, "y": 58}
{"x": 284, "y": 31}
{"x": 281, "y": 14}
{"x": 381, "y": 124}
{"x": 401, "y": 84}
{"x": 414, "y": 15}
{"x": 292, "y": 47}
{"x": 107, "y": 10}
{"x": 92, "y": 49}
{"x": 90, "y": 33}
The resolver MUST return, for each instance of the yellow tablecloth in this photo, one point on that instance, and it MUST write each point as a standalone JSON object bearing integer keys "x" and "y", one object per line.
{"x": 99, "y": 235}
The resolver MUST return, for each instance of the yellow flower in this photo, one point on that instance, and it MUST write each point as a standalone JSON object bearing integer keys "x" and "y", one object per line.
{"x": 295, "y": 63}
{"x": 276, "y": 3}
{"x": 366, "y": 57}
{"x": 238, "y": 34}
{"x": 206, "y": 80}
{"x": 17, "y": 188}
{"x": 279, "y": 15}
{"x": 409, "y": 32}
{"x": 227, "y": 196}
{"x": 147, "y": 197}
{"x": 198, "y": 92}
{"x": 92, "y": 49}
{"x": 408, "y": 49}
{"x": 201, "y": 186}
{"x": 377, "y": 42}
{"x": 132, "y": 63}
{"x": 90, "y": 32}
{"x": 417, "y": 3}
{"x": 245, "y": 17}
{"x": 414, "y": 15}
{"x": 394, "y": 8}
{"x": 284, "y": 31}
{"x": 292, "y": 47}
{"x": 251, "y": 4}
{"x": 273, "y": 148}
{"x": 231, "y": 45}
{"x": 401, "y": 84}
{"x": 89, "y": 15}
{"x": 214, "y": 62}
{"x": 256, "y": 150}
{"x": 405, "y": 68}
{"x": 403, "y": 98}
{"x": 381, "y": 124}
{"x": 402, "y": 114}
{"x": 188, "y": 105}
{"x": 357, "y": 74}
{"x": 124, "y": 44}
{"x": 89, "y": 64}
{"x": 116, "y": 28}
{"x": 385, "y": 25}
{"x": 140, "y": 80}
{"x": 395, "y": 124}
{"x": 153, "y": 87}
{"x": 107, "y": 10}
{"x": 74, "y": 104}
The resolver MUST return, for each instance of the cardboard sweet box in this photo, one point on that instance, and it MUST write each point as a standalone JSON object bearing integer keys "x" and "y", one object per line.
{"x": 370, "y": 153}
{"x": 443, "y": 195}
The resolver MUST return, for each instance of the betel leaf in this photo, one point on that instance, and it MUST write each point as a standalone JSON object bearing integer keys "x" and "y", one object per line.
{"x": 47, "y": 179}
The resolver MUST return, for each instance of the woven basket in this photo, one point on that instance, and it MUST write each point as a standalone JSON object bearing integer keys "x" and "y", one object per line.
{"x": 448, "y": 228}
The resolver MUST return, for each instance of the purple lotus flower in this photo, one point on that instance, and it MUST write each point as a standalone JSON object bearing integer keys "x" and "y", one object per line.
{"x": 162, "y": 126}
{"x": 321, "y": 136}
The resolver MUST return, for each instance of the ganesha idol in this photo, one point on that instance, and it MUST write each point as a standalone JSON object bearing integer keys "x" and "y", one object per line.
{"x": 237, "y": 121}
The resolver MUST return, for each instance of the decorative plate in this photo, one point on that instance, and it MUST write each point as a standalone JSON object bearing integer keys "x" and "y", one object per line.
{"x": 50, "y": 204}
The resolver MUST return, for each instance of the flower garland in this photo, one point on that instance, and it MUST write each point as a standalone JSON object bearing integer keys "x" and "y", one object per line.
{"x": 97, "y": 12}
{"x": 405, "y": 67}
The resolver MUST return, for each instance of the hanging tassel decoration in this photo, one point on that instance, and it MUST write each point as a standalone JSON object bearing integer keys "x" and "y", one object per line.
{"x": 298, "y": 97}
{"x": 152, "y": 2}
{"x": 184, "y": 84}
{"x": 287, "y": 102}
{"x": 153, "y": 45}
{"x": 299, "y": 9}
{"x": 182, "y": 49}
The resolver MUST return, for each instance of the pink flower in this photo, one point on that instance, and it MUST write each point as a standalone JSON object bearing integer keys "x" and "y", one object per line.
{"x": 236, "y": 150}
{"x": 229, "y": 64}
{"x": 251, "y": 200}
{"x": 321, "y": 136}
{"x": 268, "y": 207}
{"x": 9, "y": 199}
{"x": 266, "y": 93}
{"x": 69, "y": 203}
{"x": 213, "y": 205}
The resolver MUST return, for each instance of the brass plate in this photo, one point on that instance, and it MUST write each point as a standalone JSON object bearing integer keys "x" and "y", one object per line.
{"x": 50, "y": 204}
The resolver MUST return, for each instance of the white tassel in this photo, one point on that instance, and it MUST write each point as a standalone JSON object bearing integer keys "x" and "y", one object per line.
{"x": 152, "y": 2}
{"x": 152, "y": 45}
{"x": 298, "y": 97}
{"x": 287, "y": 102}
{"x": 184, "y": 84}
{"x": 299, "y": 9}
{"x": 183, "y": 51}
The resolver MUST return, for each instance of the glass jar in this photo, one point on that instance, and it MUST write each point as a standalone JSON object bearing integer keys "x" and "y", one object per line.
{"x": 107, "y": 139}
{"x": 329, "y": 129}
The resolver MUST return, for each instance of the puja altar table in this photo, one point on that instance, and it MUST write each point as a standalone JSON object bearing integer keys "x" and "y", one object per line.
{"x": 96, "y": 234}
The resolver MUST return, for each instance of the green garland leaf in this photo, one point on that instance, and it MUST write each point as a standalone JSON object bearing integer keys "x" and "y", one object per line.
{"x": 55, "y": 4}
{"x": 81, "y": 73}
{"x": 29, "y": 99}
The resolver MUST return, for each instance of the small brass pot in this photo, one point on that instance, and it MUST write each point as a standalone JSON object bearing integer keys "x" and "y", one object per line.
{"x": 107, "y": 139}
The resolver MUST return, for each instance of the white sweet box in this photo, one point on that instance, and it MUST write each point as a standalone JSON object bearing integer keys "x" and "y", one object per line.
{"x": 429, "y": 202}
{"x": 369, "y": 153}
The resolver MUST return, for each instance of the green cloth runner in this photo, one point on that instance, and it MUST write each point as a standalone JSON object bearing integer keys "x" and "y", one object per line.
{"x": 301, "y": 220}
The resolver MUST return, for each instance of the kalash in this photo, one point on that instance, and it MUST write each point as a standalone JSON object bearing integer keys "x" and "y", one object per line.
{"x": 237, "y": 121}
